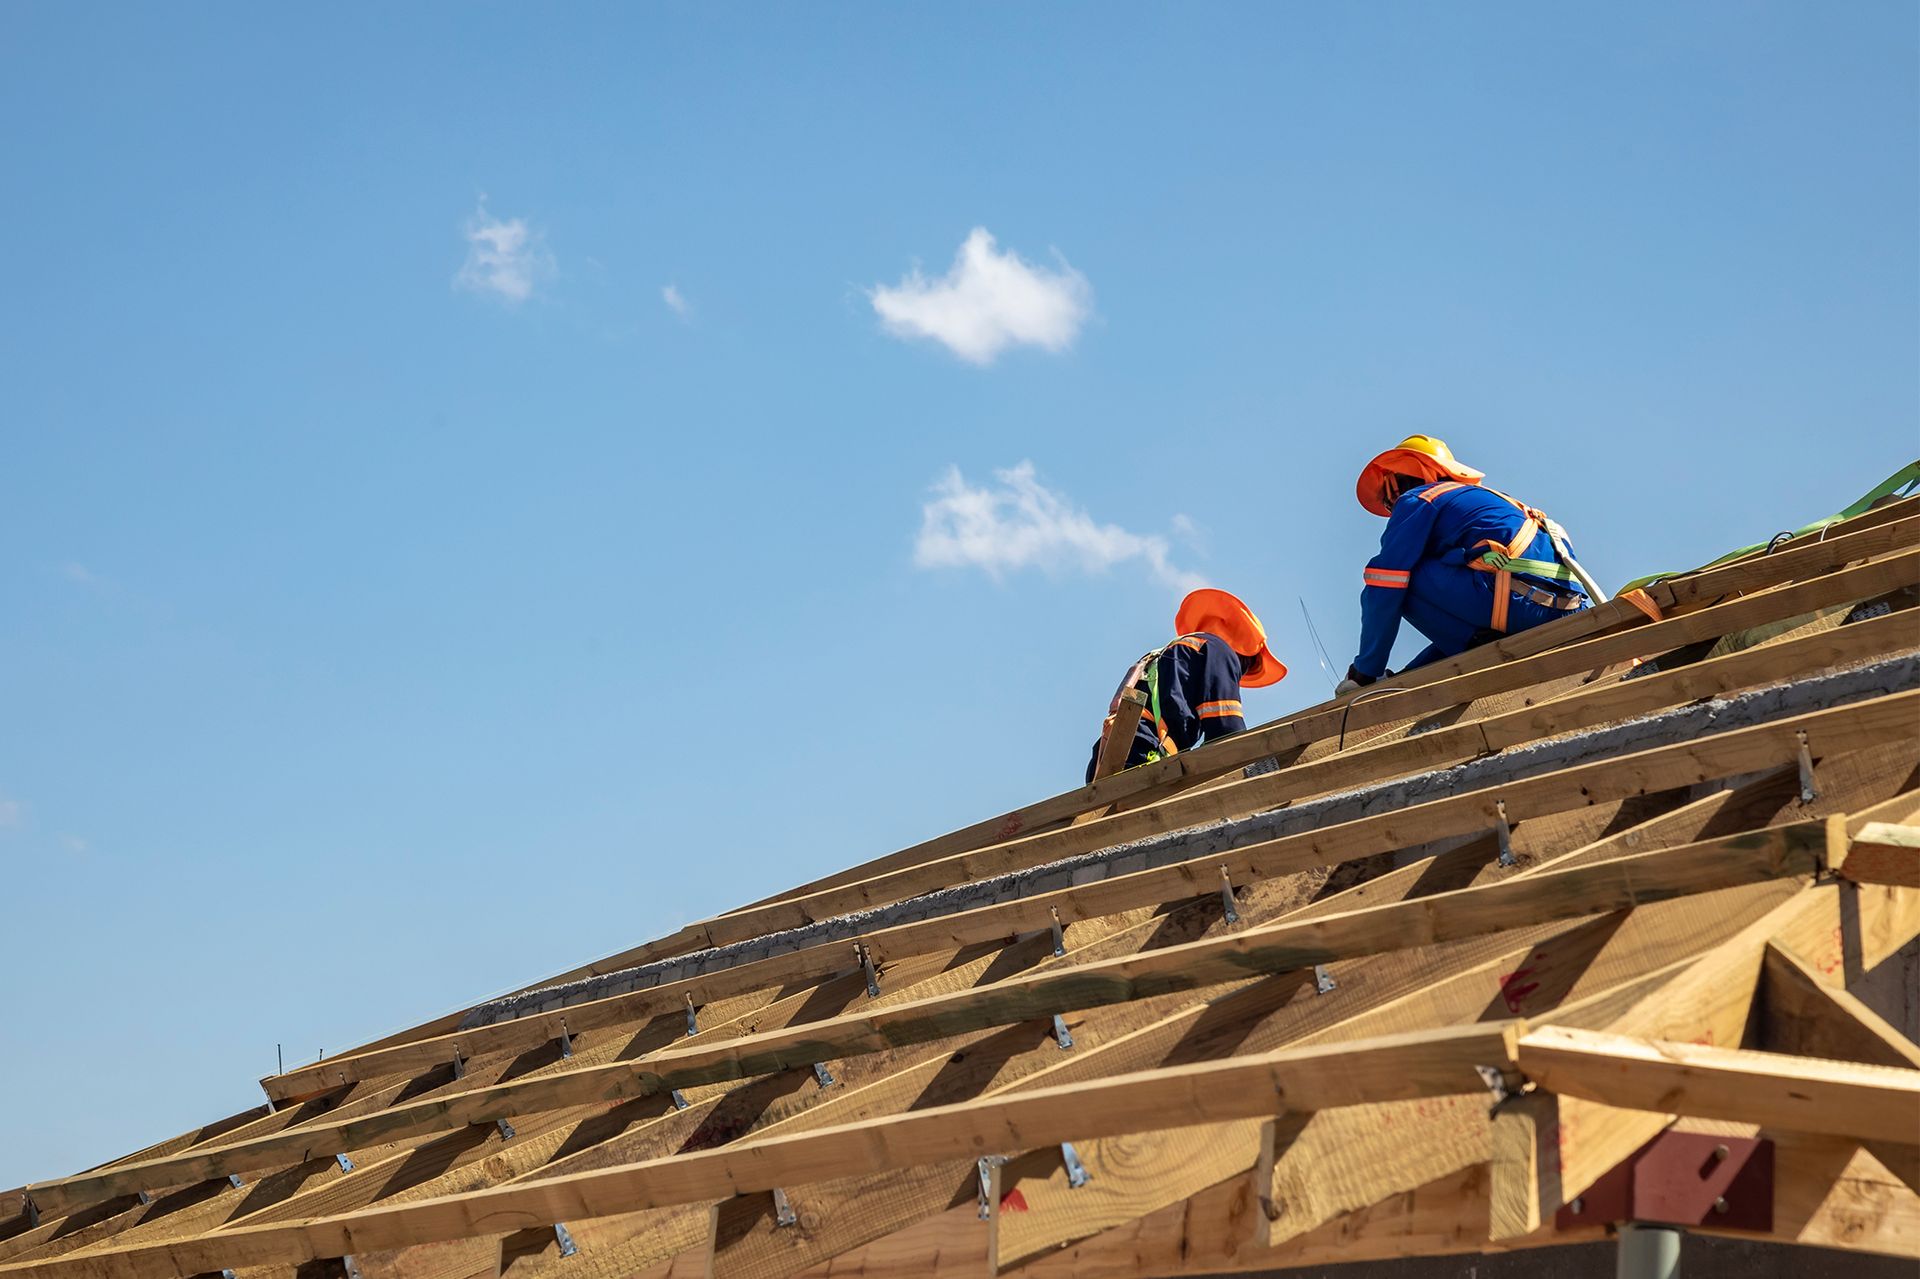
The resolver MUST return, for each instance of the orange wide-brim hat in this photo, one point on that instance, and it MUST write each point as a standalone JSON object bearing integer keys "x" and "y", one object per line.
{"x": 1221, "y": 613}
{"x": 1420, "y": 455}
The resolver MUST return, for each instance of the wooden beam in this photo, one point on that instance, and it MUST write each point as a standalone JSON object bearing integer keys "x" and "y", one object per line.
{"x": 1524, "y": 1167}
{"x": 1882, "y": 853}
{"x": 1872, "y": 534}
{"x": 1832, "y": 1193}
{"x": 950, "y": 1245}
{"x": 1797, "y": 560}
{"x": 1775, "y": 853}
{"x": 1128, "y": 1176}
{"x": 1392, "y": 1067}
{"x": 1806, "y": 1015}
{"x": 1804, "y": 1094}
{"x": 1336, "y": 1160}
{"x": 1246, "y": 748}
{"x": 1848, "y": 727}
{"x": 1586, "y": 709}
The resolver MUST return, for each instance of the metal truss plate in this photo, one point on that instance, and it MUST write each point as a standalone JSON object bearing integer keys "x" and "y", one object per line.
{"x": 1683, "y": 1179}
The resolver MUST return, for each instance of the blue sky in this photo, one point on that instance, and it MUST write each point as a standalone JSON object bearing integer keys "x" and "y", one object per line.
{"x": 387, "y": 625}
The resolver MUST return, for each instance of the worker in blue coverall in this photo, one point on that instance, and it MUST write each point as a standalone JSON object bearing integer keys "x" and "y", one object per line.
{"x": 1463, "y": 563}
{"x": 1187, "y": 692}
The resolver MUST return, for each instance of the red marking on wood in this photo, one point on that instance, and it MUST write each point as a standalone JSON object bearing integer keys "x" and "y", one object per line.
{"x": 1831, "y": 961}
{"x": 1013, "y": 1201}
{"x": 1514, "y": 988}
{"x": 1011, "y": 826}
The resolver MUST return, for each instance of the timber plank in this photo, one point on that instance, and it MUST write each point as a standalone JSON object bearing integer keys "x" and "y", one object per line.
{"x": 1851, "y": 727}
{"x": 1867, "y": 535}
{"x": 1802, "y": 1094}
{"x": 1846, "y": 585}
{"x": 1779, "y": 852}
{"x": 1425, "y": 1064}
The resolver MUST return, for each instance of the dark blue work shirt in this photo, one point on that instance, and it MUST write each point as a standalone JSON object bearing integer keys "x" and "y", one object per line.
{"x": 1199, "y": 700}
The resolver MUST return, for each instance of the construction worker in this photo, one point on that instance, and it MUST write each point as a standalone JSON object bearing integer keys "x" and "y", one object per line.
{"x": 1188, "y": 691}
{"x": 1464, "y": 563}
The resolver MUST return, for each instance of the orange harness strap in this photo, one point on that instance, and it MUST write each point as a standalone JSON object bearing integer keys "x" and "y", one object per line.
{"x": 1515, "y": 549}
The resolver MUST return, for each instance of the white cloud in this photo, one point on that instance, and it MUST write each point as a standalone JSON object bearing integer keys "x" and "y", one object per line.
{"x": 505, "y": 258}
{"x": 670, "y": 294}
{"x": 74, "y": 571}
{"x": 74, "y": 845}
{"x": 987, "y": 302}
{"x": 1021, "y": 523}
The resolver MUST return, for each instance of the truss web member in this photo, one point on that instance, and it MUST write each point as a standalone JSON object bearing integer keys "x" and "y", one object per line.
{"x": 1187, "y": 691}
{"x": 1463, "y": 563}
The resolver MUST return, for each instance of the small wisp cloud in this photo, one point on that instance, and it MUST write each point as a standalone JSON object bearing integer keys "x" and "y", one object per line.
{"x": 988, "y": 301}
{"x": 1019, "y": 523}
{"x": 505, "y": 257}
{"x": 671, "y": 295}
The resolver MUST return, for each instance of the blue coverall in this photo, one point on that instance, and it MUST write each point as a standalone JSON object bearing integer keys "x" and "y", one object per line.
{"x": 1422, "y": 574}
{"x": 1199, "y": 699}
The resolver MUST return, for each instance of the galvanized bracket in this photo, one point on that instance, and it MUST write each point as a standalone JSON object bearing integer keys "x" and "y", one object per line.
{"x": 233, "y": 1179}
{"x": 1076, "y": 1171}
{"x": 783, "y": 1213}
{"x": 144, "y": 1196}
{"x": 564, "y": 1239}
{"x": 31, "y": 1209}
{"x": 566, "y": 1041}
{"x": 227, "y": 1274}
{"x": 821, "y": 1075}
{"x": 679, "y": 1099}
{"x": 459, "y": 1066}
{"x": 506, "y": 1130}
{"x": 693, "y": 1022}
{"x": 346, "y": 1164}
{"x": 1505, "y": 833}
{"x": 983, "y": 1167}
{"x": 866, "y": 968}
{"x": 1226, "y": 896}
{"x": 1323, "y": 982}
{"x": 1496, "y": 1081}
{"x": 351, "y": 1266}
{"x": 1060, "y": 1033}
{"x": 1808, "y": 792}
{"x": 1059, "y": 934}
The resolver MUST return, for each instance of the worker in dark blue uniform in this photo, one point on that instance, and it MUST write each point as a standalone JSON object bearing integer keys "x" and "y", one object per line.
{"x": 1463, "y": 563}
{"x": 1188, "y": 692}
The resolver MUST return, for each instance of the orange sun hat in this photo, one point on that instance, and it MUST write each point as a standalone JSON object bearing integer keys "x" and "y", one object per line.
{"x": 1422, "y": 455}
{"x": 1221, "y": 613}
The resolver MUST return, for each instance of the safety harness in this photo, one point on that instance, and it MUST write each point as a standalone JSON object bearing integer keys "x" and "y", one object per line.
{"x": 1503, "y": 561}
{"x": 1130, "y": 705}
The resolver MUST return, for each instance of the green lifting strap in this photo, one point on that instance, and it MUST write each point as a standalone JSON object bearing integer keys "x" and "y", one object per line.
{"x": 1153, "y": 693}
{"x": 1153, "y": 689}
{"x": 1536, "y": 568}
{"x": 1897, "y": 484}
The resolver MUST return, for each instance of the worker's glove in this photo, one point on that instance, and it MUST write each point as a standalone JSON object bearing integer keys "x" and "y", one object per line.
{"x": 1353, "y": 683}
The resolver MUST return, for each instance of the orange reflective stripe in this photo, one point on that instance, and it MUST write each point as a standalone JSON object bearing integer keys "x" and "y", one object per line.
{"x": 1441, "y": 490}
{"x": 1502, "y": 593}
{"x": 1219, "y": 710}
{"x": 1394, "y": 579}
{"x": 1187, "y": 641}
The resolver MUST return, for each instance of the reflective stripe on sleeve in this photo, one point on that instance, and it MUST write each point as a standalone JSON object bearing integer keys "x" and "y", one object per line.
{"x": 1221, "y": 710}
{"x": 1392, "y": 578}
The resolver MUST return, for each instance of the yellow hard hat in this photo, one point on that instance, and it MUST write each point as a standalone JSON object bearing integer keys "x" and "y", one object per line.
{"x": 1422, "y": 455}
